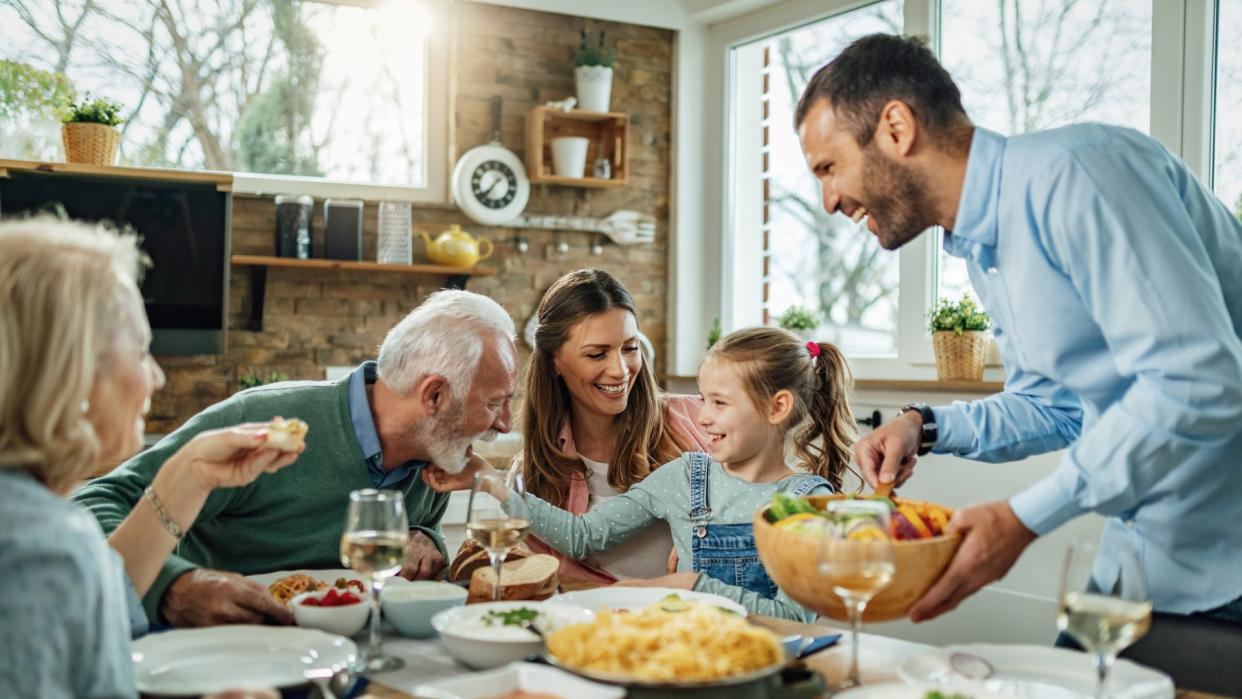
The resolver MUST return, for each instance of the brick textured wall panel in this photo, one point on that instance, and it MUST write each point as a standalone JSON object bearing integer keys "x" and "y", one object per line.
{"x": 316, "y": 319}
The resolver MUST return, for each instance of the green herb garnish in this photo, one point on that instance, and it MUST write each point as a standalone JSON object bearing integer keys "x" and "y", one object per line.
{"x": 522, "y": 616}
{"x": 941, "y": 695}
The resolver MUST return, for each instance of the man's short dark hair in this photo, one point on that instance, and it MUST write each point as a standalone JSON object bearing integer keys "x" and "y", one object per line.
{"x": 877, "y": 69}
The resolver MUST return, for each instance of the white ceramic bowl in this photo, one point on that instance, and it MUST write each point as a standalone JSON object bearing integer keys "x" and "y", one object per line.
{"x": 345, "y": 620}
{"x": 467, "y": 638}
{"x": 517, "y": 677}
{"x": 409, "y": 606}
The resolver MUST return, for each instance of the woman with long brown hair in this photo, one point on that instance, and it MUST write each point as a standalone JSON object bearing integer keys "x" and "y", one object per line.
{"x": 594, "y": 422}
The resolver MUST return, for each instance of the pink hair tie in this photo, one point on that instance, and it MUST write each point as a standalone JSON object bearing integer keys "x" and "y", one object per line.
{"x": 813, "y": 348}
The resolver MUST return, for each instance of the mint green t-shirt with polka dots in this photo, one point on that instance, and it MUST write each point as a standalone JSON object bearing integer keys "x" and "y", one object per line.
{"x": 665, "y": 495}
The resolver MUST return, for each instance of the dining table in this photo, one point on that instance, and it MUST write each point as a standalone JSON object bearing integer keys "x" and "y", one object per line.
{"x": 879, "y": 658}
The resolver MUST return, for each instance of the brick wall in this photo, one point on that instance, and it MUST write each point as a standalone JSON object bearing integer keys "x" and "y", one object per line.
{"x": 316, "y": 319}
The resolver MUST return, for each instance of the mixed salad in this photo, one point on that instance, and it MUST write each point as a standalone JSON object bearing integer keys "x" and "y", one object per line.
{"x": 910, "y": 520}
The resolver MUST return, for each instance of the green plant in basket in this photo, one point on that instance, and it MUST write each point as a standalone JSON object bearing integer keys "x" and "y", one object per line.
{"x": 798, "y": 318}
{"x": 97, "y": 111}
{"x": 252, "y": 380}
{"x": 588, "y": 54}
{"x": 958, "y": 317}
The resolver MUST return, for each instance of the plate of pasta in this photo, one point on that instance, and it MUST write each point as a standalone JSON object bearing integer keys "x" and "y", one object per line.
{"x": 671, "y": 644}
{"x": 284, "y": 585}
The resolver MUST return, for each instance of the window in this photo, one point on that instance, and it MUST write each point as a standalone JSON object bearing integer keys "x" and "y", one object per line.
{"x": 806, "y": 257}
{"x": 1026, "y": 65}
{"x": 1227, "y": 179}
{"x": 336, "y": 92}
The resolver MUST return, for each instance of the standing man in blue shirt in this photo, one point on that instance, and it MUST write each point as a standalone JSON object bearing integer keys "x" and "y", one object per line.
{"x": 1114, "y": 280}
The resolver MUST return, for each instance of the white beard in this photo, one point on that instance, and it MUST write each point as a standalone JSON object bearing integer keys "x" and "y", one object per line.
{"x": 445, "y": 446}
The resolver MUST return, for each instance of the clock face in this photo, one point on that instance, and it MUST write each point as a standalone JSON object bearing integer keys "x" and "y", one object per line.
{"x": 494, "y": 184}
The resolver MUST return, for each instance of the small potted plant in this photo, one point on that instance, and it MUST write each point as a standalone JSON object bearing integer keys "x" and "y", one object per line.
{"x": 593, "y": 74}
{"x": 960, "y": 338}
{"x": 800, "y": 320}
{"x": 89, "y": 131}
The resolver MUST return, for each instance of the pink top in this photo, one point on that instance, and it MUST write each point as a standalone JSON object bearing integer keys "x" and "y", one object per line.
{"x": 681, "y": 414}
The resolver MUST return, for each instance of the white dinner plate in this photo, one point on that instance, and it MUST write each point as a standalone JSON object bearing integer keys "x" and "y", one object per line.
{"x": 896, "y": 690}
{"x": 1039, "y": 672}
{"x": 525, "y": 677}
{"x": 329, "y": 576}
{"x": 618, "y": 598}
{"x": 190, "y": 662}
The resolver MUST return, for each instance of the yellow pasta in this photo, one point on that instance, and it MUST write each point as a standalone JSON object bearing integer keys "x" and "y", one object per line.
{"x": 682, "y": 641}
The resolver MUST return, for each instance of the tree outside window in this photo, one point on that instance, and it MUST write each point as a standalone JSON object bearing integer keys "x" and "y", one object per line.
{"x": 288, "y": 87}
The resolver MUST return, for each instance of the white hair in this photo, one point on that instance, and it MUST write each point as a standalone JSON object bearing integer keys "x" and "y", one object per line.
{"x": 443, "y": 336}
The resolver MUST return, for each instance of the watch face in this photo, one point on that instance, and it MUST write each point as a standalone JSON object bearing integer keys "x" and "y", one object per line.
{"x": 494, "y": 184}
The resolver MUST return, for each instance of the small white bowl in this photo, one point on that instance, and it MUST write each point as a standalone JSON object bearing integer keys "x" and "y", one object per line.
{"x": 409, "y": 606}
{"x": 345, "y": 620}
{"x": 480, "y": 647}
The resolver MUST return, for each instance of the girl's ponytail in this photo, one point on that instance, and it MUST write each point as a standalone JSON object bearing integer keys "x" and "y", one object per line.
{"x": 824, "y": 442}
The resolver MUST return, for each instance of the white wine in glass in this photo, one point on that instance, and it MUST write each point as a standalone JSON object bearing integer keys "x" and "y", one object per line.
{"x": 375, "y": 543}
{"x": 1104, "y": 623}
{"x": 856, "y": 558}
{"x": 498, "y": 519}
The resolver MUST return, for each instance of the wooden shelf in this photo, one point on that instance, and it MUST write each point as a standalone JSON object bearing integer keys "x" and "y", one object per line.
{"x": 607, "y": 134}
{"x": 360, "y": 266}
{"x": 222, "y": 180}
{"x": 259, "y": 264}
{"x": 937, "y": 386}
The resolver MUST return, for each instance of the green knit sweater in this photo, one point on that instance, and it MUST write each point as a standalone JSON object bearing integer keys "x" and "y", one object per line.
{"x": 290, "y": 519}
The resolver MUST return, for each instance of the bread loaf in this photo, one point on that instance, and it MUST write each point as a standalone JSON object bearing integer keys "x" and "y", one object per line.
{"x": 531, "y": 578}
{"x": 470, "y": 557}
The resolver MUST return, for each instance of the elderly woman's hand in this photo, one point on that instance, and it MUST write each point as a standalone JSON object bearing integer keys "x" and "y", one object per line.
{"x": 232, "y": 457}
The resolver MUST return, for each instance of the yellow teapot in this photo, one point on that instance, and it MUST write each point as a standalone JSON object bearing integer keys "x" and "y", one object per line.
{"x": 456, "y": 248}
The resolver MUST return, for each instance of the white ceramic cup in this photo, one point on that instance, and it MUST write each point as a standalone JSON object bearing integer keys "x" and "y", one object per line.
{"x": 569, "y": 155}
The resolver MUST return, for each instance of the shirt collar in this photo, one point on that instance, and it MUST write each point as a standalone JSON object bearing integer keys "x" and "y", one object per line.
{"x": 974, "y": 234}
{"x": 364, "y": 428}
{"x": 360, "y": 410}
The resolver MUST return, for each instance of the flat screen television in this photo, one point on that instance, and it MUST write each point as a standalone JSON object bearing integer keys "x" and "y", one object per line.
{"x": 184, "y": 228}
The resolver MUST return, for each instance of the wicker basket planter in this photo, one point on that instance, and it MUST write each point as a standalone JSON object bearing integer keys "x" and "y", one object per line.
{"x": 960, "y": 357}
{"x": 92, "y": 144}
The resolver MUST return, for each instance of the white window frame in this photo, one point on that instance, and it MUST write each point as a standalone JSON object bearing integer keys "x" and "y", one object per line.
{"x": 436, "y": 119}
{"x": 1183, "y": 70}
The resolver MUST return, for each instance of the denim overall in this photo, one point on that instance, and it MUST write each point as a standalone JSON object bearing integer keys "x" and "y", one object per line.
{"x": 727, "y": 551}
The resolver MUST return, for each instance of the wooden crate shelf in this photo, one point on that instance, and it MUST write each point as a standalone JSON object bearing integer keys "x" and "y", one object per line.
{"x": 607, "y": 133}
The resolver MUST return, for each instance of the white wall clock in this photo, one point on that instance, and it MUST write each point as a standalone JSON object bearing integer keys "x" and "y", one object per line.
{"x": 489, "y": 182}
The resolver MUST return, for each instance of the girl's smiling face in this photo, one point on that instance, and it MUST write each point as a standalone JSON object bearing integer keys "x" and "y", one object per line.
{"x": 738, "y": 429}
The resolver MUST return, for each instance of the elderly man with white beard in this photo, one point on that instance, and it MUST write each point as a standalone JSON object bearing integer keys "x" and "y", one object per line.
{"x": 444, "y": 378}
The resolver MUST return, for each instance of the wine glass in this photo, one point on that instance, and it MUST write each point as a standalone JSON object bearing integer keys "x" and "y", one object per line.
{"x": 856, "y": 557}
{"x": 497, "y": 525}
{"x": 1104, "y": 622}
{"x": 376, "y": 542}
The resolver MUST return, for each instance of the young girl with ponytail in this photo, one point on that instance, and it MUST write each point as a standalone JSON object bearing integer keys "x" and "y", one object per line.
{"x": 758, "y": 386}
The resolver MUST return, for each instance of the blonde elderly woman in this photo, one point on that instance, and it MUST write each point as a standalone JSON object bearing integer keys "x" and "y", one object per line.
{"x": 76, "y": 378}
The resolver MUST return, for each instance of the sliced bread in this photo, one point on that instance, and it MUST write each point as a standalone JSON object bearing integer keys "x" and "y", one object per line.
{"x": 531, "y": 578}
{"x": 471, "y": 557}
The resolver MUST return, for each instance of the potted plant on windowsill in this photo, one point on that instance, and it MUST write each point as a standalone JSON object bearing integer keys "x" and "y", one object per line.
{"x": 89, "y": 132}
{"x": 801, "y": 320}
{"x": 960, "y": 338}
{"x": 593, "y": 74}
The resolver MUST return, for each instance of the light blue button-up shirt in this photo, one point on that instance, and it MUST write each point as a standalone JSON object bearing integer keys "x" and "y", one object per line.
{"x": 1114, "y": 281}
{"x": 364, "y": 429}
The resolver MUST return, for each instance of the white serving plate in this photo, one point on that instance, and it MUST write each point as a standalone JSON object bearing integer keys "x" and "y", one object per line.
{"x": 526, "y": 677}
{"x": 617, "y": 598}
{"x": 190, "y": 662}
{"x": 328, "y": 576}
{"x": 1039, "y": 672}
{"x": 897, "y": 690}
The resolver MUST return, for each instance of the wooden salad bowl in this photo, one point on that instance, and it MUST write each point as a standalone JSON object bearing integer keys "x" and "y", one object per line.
{"x": 792, "y": 560}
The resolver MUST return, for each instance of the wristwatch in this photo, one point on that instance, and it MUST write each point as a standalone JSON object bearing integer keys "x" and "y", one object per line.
{"x": 930, "y": 433}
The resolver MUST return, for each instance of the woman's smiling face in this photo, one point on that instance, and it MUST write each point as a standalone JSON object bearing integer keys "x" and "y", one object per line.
{"x": 600, "y": 361}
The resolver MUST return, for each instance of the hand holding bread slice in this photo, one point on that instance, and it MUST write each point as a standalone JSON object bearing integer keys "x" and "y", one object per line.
{"x": 286, "y": 435}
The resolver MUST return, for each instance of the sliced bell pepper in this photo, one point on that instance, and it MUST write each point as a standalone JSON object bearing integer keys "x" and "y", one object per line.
{"x": 915, "y": 521}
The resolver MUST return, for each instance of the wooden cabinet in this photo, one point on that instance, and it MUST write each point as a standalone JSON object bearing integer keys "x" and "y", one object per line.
{"x": 607, "y": 133}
